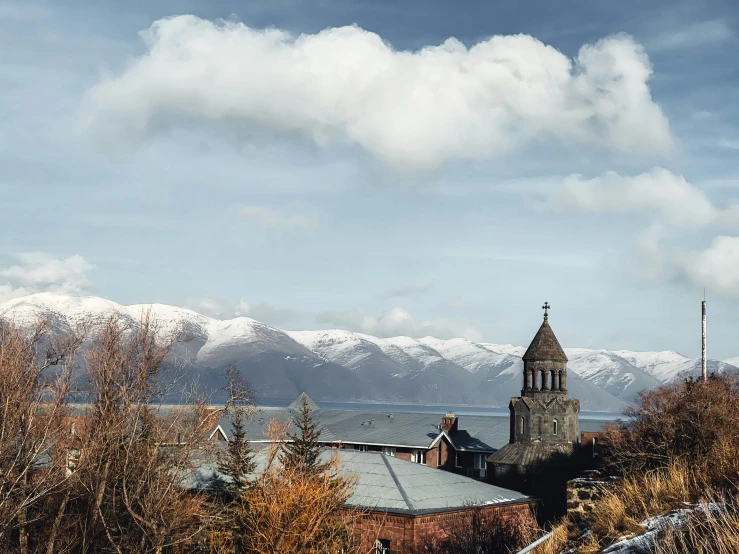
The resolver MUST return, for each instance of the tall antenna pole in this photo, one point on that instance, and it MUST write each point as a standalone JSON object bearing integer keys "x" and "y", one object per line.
{"x": 704, "y": 360}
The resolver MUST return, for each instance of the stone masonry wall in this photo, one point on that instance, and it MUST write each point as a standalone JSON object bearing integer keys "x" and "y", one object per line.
{"x": 583, "y": 492}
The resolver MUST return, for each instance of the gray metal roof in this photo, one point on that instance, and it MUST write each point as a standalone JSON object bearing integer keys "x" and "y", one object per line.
{"x": 389, "y": 484}
{"x": 393, "y": 485}
{"x": 476, "y": 433}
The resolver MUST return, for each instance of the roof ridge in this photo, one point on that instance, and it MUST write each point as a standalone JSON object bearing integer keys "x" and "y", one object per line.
{"x": 397, "y": 483}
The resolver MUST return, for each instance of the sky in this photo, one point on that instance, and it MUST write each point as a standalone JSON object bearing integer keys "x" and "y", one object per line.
{"x": 390, "y": 167}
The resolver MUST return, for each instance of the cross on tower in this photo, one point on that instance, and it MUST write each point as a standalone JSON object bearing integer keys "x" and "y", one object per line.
{"x": 546, "y": 307}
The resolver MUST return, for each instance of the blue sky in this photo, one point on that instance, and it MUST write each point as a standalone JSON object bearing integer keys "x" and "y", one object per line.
{"x": 346, "y": 164}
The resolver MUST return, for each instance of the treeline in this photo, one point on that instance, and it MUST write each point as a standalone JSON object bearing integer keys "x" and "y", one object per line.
{"x": 124, "y": 474}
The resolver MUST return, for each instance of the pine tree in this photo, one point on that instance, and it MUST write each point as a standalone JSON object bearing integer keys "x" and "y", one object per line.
{"x": 237, "y": 463}
{"x": 302, "y": 451}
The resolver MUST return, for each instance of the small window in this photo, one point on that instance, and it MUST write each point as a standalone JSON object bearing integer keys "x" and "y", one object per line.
{"x": 360, "y": 447}
{"x": 457, "y": 459}
{"x": 479, "y": 461}
{"x": 388, "y": 450}
{"x": 382, "y": 546}
{"x": 419, "y": 456}
{"x": 555, "y": 425}
{"x": 438, "y": 456}
{"x": 522, "y": 425}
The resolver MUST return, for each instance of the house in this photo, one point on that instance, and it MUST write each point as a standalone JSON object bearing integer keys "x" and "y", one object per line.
{"x": 458, "y": 444}
{"x": 397, "y": 502}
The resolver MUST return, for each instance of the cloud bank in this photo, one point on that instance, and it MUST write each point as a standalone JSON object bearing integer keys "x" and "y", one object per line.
{"x": 657, "y": 191}
{"x": 716, "y": 268}
{"x": 40, "y": 272}
{"x": 412, "y": 110}
{"x": 399, "y": 322}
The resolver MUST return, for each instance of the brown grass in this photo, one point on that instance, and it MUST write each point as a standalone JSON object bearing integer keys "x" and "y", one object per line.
{"x": 709, "y": 532}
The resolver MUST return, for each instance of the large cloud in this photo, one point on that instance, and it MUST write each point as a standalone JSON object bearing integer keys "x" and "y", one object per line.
{"x": 39, "y": 272}
{"x": 657, "y": 191}
{"x": 410, "y": 109}
{"x": 716, "y": 268}
{"x": 399, "y": 322}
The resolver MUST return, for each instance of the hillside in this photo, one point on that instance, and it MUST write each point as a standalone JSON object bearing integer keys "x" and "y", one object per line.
{"x": 342, "y": 365}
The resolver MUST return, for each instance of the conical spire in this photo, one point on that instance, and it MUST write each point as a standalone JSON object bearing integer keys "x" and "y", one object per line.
{"x": 545, "y": 346}
{"x": 297, "y": 404}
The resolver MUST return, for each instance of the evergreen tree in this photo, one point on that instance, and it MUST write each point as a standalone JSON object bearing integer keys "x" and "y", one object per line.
{"x": 302, "y": 451}
{"x": 237, "y": 462}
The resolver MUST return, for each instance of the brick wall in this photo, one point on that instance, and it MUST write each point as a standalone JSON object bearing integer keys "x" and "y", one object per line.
{"x": 405, "y": 531}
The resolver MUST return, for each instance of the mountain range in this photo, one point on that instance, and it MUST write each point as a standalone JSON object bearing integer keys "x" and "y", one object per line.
{"x": 346, "y": 366}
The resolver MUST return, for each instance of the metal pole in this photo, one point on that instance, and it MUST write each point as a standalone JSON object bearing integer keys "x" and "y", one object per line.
{"x": 704, "y": 361}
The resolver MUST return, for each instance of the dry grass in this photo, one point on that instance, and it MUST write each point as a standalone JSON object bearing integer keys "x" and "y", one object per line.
{"x": 710, "y": 531}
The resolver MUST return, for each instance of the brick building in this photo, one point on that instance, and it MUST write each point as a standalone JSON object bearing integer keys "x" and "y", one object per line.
{"x": 458, "y": 444}
{"x": 402, "y": 503}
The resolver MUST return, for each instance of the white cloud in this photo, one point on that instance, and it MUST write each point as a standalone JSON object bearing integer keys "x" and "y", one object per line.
{"x": 39, "y": 272}
{"x": 656, "y": 191}
{"x": 399, "y": 322}
{"x": 220, "y": 308}
{"x": 413, "y": 110}
{"x": 405, "y": 291}
{"x": 271, "y": 219}
{"x": 692, "y": 35}
{"x": 652, "y": 258}
{"x": 716, "y": 268}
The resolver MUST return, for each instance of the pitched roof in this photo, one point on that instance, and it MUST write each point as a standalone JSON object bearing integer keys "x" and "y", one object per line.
{"x": 529, "y": 454}
{"x": 297, "y": 404}
{"x": 545, "y": 346}
{"x": 389, "y": 484}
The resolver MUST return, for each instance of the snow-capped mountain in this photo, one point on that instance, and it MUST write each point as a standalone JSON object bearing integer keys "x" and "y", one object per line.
{"x": 342, "y": 365}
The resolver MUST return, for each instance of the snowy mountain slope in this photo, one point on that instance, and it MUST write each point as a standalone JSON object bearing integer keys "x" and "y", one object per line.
{"x": 733, "y": 361}
{"x": 342, "y": 365}
{"x": 610, "y": 372}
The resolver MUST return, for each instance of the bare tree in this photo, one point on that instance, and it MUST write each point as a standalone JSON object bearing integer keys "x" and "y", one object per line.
{"x": 35, "y": 375}
{"x": 137, "y": 457}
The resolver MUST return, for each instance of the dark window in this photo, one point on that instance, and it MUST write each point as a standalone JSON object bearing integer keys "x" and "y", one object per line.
{"x": 554, "y": 427}
{"x": 382, "y": 546}
{"x": 457, "y": 459}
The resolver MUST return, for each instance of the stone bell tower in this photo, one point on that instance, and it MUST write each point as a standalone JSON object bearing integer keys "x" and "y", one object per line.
{"x": 544, "y": 413}
{"x": 542, "y": 452}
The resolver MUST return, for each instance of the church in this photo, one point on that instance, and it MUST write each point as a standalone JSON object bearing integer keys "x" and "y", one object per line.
{"x": 543, "y": 451}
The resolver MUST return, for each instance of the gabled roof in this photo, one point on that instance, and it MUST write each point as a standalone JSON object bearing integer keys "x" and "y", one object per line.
{"x": 297, "y": 404}
{"x": 530, "y": 454}
{"x": 545, "y": 346}
{"x": 389, "y": 484}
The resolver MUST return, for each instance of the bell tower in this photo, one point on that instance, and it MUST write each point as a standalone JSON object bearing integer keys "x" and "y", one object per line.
{"x": 544, "y": 413}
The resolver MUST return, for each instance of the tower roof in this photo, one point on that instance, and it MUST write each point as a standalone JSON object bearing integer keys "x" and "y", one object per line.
{"x": 297, "y": 404}
{"x": 545, "y": 346}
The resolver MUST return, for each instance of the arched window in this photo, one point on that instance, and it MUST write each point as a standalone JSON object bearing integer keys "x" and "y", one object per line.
{"x": 555, "y": 425}
{"x": 521, "y": 425}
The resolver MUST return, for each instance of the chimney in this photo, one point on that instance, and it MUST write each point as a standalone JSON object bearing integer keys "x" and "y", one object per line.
{"x": 449, "y": 423}
{"x": 704, "y": 360}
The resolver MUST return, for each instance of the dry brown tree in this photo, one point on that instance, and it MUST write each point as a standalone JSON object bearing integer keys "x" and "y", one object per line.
{"x": 287, "y": 510}
{"x": 136, "y": 457}
{"x": 691, "y": 421}
{"x": 35, "y": 376}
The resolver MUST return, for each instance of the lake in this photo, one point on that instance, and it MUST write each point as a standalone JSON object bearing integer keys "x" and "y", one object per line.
{"x": 425, "y": 409}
